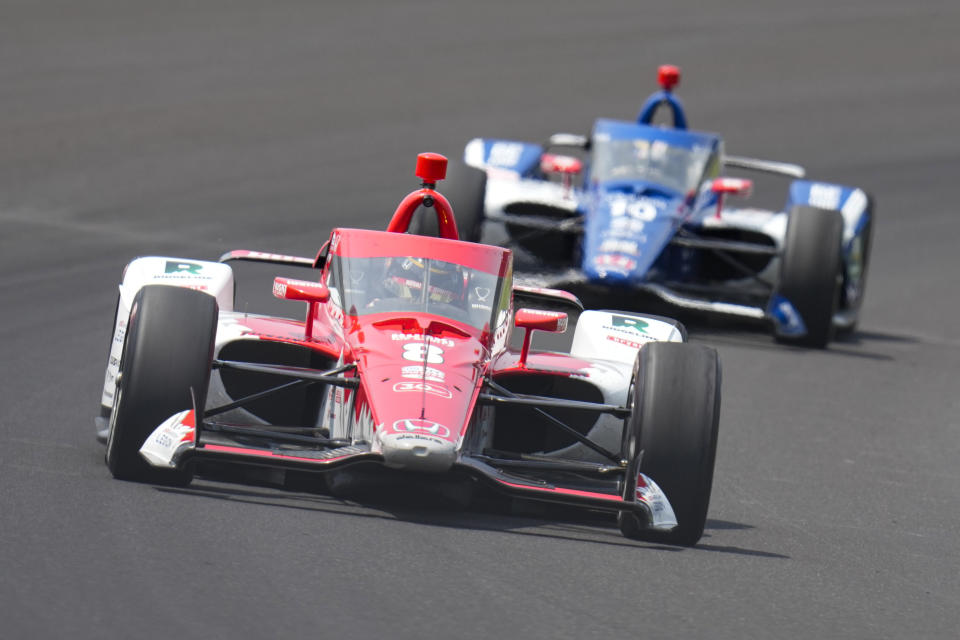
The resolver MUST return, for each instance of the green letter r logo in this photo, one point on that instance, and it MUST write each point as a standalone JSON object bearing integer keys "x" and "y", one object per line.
{"x": 183, "y": 267}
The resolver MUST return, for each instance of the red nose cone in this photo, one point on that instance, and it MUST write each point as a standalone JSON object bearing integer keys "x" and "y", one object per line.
{"x": 668, "y": 76}
{"x": 431, "y": 167}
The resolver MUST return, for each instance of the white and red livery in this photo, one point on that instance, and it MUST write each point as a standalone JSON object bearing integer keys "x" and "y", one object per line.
{"x": 405, "y": 359}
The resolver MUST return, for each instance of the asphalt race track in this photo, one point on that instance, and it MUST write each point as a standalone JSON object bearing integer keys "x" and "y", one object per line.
{"x": 190, "y": 128}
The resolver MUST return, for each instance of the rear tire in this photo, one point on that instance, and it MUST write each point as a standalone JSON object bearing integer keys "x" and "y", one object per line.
{"x": 811, "y": 272}
{"x": 167, "y": 353}
{"x": 671, "y": 435}
{"x": 466, "y": 189}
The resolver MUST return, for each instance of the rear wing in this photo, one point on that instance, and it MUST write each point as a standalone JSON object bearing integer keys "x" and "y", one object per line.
{"x": 765, "y": 166}
{"x": 546, "y": 299}
{"x": 270, "y": 258}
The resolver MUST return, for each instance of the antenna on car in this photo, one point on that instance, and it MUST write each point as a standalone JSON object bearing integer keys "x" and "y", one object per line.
{"x": 431, "y": 168}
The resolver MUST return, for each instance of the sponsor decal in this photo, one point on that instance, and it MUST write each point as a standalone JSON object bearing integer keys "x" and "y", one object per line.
{"x": 786, "y": 316}
{"x": 647, "y": 491}
{"x": 501, "y": 332}
{"x": 625, "y": 342}
{"x": 503, "y": 328}
{"x": 334, "y": 242}
{"x": 505, "y": 154}
{"x": 422, "y": 373}
{"x": 416, "y": 425}
{"x": 643, "y": 209}
{"x": 192, "y": 268}
{"x": 635, "y": 327}
{"x": 161, "y": 447}
{"x": 308, "y": 287}
{"x": 614, "y": 245}
{"x": 423, "y": 352}
{"x": 615, "y": 261}
{"x": 560, "y": 316}
{"x": 480, "y": 299}
{"x": 418, "y": 436}
{"x": 423, "y": 387}
{"x": 825, "y": 196}
{"x": 303, "y": 283}
{"x": 335, "y": 313}
{"x": 855, "y": 204}
{"x": 172, "y": 435}
{"x": 401, "y": 337}
{"x": 544, "y": 313}
{"x": 630, "y": 324}
{"x": 626, "y": 226}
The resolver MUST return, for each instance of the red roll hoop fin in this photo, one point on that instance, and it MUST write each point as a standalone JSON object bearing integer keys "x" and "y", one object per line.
{"x": 431, "y": 167}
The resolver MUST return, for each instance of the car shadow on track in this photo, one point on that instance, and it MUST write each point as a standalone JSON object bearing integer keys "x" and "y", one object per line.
{"x": 487, "y": 513}
{"x": 860, "y": 337}
{"x": 722, "y": 332}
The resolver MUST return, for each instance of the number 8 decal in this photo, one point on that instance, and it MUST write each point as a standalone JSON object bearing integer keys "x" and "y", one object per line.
{"x": 420, "y": 352}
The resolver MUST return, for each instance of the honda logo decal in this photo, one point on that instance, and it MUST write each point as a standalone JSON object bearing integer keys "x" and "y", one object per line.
{"x": 421, "y": 426}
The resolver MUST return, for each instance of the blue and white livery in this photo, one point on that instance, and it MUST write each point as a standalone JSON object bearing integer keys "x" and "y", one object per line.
{"x": 642, "y": 207}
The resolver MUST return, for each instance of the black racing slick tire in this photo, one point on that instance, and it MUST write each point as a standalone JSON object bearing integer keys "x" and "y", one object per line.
{"x": 671, "y": 435}
{"x": 465, "y": 187}
{"x": 811, "y": 272}
{"x": 164, "y": 369}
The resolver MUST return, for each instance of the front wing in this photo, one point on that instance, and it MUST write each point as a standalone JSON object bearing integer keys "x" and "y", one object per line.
{"x": 178, "y": 443}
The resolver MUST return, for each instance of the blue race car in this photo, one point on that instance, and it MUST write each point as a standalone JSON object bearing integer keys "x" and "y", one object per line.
{"x": 638, "y": 207}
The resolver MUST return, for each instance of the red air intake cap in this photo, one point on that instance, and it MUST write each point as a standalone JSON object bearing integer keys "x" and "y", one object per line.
{"x": 668, "y": 76}
{"x": 431, "y": 167}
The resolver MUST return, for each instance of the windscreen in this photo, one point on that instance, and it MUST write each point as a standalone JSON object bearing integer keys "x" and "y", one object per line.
{"x": 362, "y": 286}
{"x": 678, "y": 168}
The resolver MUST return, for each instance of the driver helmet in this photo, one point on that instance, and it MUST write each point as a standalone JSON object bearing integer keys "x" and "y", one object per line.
{"x": 406, "y": 277}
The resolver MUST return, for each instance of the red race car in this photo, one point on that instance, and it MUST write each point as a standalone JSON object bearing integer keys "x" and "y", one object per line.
{"x": 404, "y": 360}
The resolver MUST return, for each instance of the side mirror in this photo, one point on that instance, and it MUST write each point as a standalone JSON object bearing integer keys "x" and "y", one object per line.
{"x": 731, "y": 186}
{"x": 304, "y": 290}
{"x": 313, "y": 293}
{"x": 537, "y": 320}
{"x": 540, "y": 320}
{"x": 564, "y": 165}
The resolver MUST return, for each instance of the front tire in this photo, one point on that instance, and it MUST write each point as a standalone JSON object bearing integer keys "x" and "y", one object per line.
{"x": 466, "y": 189}
{"x": 164, "y": 369}
{"x": 811, "y": 272}
{"x": 856, "y": 266}
{"x": 671, "y": 435}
